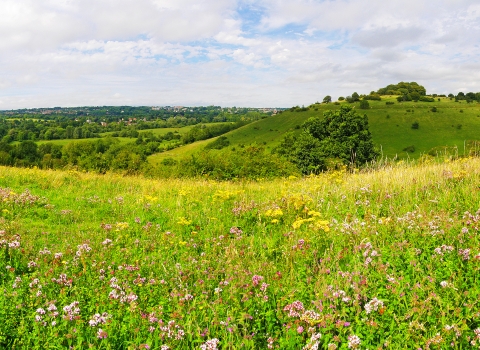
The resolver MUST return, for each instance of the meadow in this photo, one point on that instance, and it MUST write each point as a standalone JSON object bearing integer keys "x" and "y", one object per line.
{"x": 384, "y": 258}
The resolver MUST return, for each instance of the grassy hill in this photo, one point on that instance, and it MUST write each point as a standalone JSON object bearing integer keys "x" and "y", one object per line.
{"x": 116, "y": 262}
{"x": 453, "y": 124}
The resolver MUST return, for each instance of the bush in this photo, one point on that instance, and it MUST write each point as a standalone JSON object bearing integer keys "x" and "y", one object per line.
{"x": 389, "y": 103}
{"x": 219, "y": 143}
{"x": 415, "y": 125}
{"x": 251, "y": 162}
{"x": 409, "y": 149}
{"x": 364, "y": 104}
{"x": 426, "y": 99}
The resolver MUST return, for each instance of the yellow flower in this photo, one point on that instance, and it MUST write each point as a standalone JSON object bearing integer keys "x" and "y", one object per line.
{"x": 183, "y": 221}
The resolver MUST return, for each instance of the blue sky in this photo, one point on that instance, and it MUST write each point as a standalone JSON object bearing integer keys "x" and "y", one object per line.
{"x": 254, "y": 53}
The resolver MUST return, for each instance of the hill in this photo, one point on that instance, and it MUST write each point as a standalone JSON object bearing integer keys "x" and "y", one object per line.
{"x": 113, "y": 262}
{"x": 449, "y": 128}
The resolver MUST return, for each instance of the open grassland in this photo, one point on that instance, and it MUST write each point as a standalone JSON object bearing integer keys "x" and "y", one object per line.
{"x": 384, "y": 259}
{"x": 452, "y": 126}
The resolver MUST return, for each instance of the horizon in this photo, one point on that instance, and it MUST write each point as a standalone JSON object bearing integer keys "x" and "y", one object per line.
{"x": 256, "y": 53}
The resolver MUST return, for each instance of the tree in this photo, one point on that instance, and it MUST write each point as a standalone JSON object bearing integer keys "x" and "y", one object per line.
{"x": 355, "y": 97}
{"x": 364, "y": 104}
{"x": 327, "y": 99}
{"x": 340, "y": 136}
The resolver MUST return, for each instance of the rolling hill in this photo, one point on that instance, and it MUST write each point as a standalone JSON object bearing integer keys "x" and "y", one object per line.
{"x": 450, "y": 127}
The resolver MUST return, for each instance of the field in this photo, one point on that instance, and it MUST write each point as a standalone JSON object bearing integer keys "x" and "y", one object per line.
{"x": 448, "y": 129}
{"x": 379, "y": 259}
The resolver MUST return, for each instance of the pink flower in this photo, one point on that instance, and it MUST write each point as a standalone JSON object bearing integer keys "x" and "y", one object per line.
{"x": 256, "y": 279}
{"x": 101, "y": 334}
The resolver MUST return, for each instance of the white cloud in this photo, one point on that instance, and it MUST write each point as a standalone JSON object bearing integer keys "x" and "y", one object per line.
{"x": 230, "y": 52}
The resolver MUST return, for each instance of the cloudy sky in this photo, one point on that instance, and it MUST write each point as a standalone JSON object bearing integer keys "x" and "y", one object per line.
{"x": 257, "y": 53}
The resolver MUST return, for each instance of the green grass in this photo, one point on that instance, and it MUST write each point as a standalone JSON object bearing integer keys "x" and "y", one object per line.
{"x": 389, "y": 256}
{"x": 390, "y": 125}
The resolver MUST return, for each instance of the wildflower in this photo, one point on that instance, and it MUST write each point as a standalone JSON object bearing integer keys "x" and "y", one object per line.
{"x": 353, "y": 342}
{"x": 373, "y": 305}
{"x": 256, "y": 279}
{"x": 294, "y": 309}
{"x": 210, "y": 344}
{"x": 101, "y": 334}
{"x": 16, "y": 283}
{"x": 299, "y": 329}
{"x": 83, "y": 248}
{"x": 313, "y": 342}
{"x": 99, "y": 319}
{"x": 464, "y": 253}
{"x": 40, "y": 311}
{"x": 107, "y": 241}
{"x": 14, "y": 245}
{"x": 32, "y": 264}
{"x": 45, "y": 251}
{"x": 71, "y": 311}
{"x": 444, "y": 284}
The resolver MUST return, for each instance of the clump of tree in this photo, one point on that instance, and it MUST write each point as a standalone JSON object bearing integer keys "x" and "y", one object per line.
{"x": 404, "y": 89}
{"x": 469, "y": 97}
{"x": 340, "y": 137}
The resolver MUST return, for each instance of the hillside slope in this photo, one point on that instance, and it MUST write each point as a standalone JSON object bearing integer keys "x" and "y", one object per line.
{"x": 452, "y": 125}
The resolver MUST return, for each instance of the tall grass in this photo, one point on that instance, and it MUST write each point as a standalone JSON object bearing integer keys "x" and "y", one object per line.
{"x": 380, "y": 259}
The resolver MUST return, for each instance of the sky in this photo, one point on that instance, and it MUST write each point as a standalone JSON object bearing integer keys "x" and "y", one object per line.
{"x": 244, "y": 53}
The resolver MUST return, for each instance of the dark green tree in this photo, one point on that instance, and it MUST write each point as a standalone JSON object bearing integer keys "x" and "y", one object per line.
{"x": 340, "y": 136}
{"x": 327, "y": 99}
{"x": 364, "y": 104}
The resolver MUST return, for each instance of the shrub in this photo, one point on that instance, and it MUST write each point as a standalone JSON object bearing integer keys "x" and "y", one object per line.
{"x": 364, "y": 104}
{"x": 415, "y": 125}
{"x": 219, "y": 143}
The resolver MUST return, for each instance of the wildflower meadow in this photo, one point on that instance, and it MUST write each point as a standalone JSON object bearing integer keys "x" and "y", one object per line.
{"x": 384, "y": 259}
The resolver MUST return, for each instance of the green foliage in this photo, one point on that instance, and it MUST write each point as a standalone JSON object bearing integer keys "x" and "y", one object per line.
{"x": 364, "y": 104}
{"x": 427, "y": 99}
{"x": 340, "y": 134}
{"x": 415, "y": 125}
{"x": 409, "y": 149}
{"x": 327, "y": 99}
{"x": 403, "y": 89}
{"x": 219, "y": 143}
{"x": 247, "y": 163}
{"x": 373, "y": 97}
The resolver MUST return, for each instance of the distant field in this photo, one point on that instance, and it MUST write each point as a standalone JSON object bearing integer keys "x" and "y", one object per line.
{"x": 453, "y": 124}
